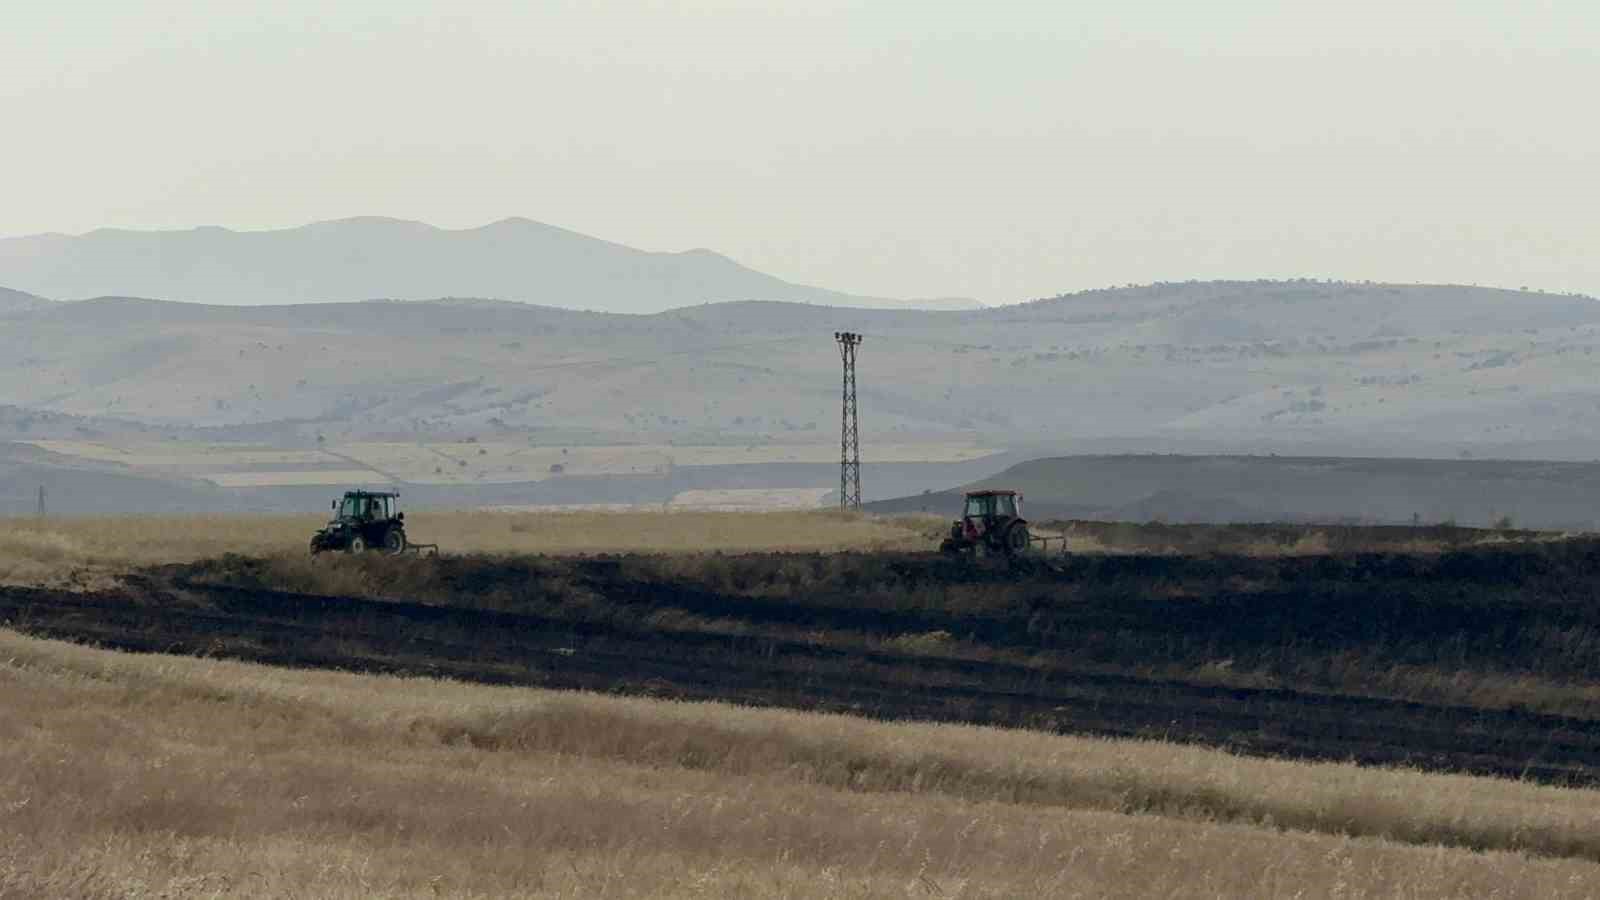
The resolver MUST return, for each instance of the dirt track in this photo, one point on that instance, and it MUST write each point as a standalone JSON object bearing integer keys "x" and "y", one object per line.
{"x": 183, "y": 610}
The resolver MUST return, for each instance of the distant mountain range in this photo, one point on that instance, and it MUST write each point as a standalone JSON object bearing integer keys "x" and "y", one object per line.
{"x": 1309, "y": 367}
{"x": 366, "y": 258}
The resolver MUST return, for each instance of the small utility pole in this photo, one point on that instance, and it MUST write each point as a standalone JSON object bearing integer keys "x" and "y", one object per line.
{"x": 849, "y": 426}
{"x": 41, "y": 501}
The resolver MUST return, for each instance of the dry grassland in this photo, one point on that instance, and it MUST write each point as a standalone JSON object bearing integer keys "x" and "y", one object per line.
{"x": 147, "y": 776}
{"x": 88, "y": 551}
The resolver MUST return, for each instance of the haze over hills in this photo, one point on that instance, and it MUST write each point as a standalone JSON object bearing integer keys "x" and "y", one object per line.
{"x": 1217, "y": 366}
{"x": 364, "y": 258}
{"x": 18, "y": 301}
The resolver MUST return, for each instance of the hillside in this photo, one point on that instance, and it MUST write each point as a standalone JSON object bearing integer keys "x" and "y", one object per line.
{"x": 1319, "y": 369}
{"x": 18, "y": 301}
{"x": 74, "y": 486}
{"x": 1237, "y": 489}
{"x": 363, "y": 258}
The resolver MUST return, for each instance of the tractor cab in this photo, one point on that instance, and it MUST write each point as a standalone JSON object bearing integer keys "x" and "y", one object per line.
{"x": 367, "y": 506}
{"x": 990, "y": 521}
{"x": 987, "y": 505}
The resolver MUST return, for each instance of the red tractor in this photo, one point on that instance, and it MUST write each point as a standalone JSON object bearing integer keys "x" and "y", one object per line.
{"x": 991, "y": 522}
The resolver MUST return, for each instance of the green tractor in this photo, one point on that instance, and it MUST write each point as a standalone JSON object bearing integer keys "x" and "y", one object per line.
{"x": 991, "y": 523}
{"x": 362, "y": 521}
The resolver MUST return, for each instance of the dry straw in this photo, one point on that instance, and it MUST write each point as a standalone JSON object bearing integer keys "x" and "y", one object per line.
{"x": 153, "y": 776}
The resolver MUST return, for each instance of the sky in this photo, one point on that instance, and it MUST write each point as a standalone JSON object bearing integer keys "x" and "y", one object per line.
{"x": 999, "y": 150}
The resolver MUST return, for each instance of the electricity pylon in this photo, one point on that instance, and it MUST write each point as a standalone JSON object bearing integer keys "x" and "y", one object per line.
{"x": 849, "y": 426}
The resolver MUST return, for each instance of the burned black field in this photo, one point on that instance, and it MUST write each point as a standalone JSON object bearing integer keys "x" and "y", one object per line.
{"x": 1471, "y": 654}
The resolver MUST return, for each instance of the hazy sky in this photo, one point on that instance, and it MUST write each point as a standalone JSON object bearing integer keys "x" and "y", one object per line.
{"x": 996, "y": 150}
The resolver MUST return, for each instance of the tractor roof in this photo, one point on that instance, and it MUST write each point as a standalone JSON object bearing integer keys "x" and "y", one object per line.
{"x": 991, "y": 493}
{"x": 372, "y": 493}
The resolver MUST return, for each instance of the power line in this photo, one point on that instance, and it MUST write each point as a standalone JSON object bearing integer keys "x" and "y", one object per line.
{"x": 849, "y": 426}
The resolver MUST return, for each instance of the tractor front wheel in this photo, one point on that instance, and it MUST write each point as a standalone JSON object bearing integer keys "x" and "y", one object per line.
{"x": 358, "y": 544}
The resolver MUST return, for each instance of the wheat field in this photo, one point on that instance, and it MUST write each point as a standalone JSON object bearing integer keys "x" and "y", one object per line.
{"x": 148, "y": 776}
{"x": 90, "y": 551}
{"x": 129, "y": 776}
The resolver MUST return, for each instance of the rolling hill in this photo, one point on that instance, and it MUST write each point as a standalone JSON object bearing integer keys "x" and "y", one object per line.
{"x": 74, "y": 486}
{"x": 477, "y": 400}
{"x": 1222, "y": 367}
{"x": 18, "y": 301}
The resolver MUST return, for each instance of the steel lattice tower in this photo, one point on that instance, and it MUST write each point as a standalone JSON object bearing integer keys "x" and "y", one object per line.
{"x": 849, "y": 426}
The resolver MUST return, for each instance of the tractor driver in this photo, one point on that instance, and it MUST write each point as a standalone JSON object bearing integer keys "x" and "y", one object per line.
{"x": 371, "y": 512}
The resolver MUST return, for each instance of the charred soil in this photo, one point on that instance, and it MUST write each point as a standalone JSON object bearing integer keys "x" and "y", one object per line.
{"x": 1293, "y": 656}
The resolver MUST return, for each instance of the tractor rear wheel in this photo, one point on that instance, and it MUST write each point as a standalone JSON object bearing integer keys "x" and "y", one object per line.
{"x": 358, "y": 544}
{"x": 1017, "y": 540}
{"x": 394, "y": 543}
